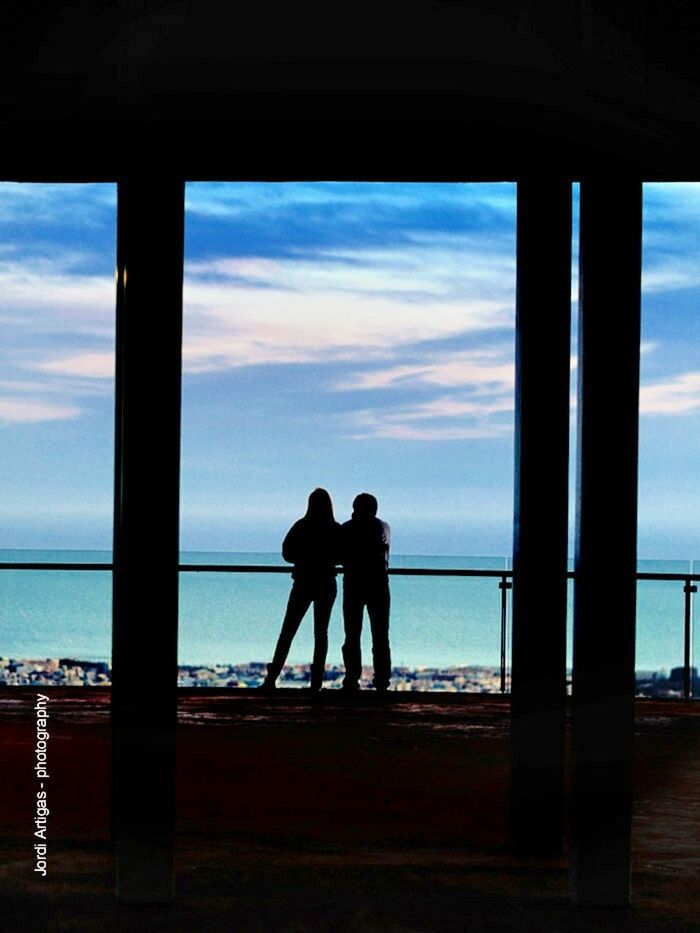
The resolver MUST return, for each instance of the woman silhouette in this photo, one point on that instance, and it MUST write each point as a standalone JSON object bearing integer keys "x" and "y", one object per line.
{"x": 311, "y": 545}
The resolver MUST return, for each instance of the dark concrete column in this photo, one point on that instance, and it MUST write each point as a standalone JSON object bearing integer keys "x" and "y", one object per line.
{"x": 606, "y": 539}
{"x": 145, "y": 594}
{"x": 543, "y": 349}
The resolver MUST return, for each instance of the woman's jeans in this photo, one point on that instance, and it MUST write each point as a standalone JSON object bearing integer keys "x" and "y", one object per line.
{"x": 304, "y": 592}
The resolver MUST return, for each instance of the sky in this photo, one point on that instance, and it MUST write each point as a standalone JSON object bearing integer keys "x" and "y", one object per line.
{"x": 354, "y": 336}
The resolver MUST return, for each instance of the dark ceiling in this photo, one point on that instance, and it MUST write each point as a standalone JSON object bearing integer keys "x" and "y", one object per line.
{"x": 385, "y": 89}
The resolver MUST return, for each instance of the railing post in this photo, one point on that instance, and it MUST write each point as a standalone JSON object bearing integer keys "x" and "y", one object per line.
{"x": 538, "y": 670}
{"x": 606, "y": 536}
{"x": 145, "y": 588}
{"x": 688, "y": 590}
{"x": 504, "y": 586}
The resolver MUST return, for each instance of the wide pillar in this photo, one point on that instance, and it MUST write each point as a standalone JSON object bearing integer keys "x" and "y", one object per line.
{"x": 606, "y": 540}
{"x": 145, "y": 594}
{"x": 543, "y": 349}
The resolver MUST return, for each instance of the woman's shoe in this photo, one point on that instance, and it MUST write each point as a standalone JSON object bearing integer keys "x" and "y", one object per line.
{"x": 270, "y": 682}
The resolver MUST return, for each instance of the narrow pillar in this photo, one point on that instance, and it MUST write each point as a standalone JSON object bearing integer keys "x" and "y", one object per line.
{"x": 606, "y": 540}
{"x": 145, "y": 592}
{"x": 543, "y": 349}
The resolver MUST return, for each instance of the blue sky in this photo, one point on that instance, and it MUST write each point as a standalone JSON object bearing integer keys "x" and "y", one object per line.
{"x": 355, "y": 336}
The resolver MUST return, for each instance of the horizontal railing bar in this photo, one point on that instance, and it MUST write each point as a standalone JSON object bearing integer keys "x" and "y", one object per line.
{"x": 25, "y": 565}
{"x": 234, "y": 568}
{"x": 668, "y": 576}
{"x": 275, "y": 568}
{"x": 395, "y": 571}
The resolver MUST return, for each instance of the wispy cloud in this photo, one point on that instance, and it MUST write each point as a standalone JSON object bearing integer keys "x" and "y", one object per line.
{"x": 671, "y": 236}
{"x": 670, "y": 273}
{"x": 349, "y": 304}
{"x": 91, "y": 365}
{"x": 672, "y": 202}
{"x": 86, "y": 205}
{"x": 23, "y": 385}
{"x": 448, "y": 406}
{"x": 375, "y": 203}
{"x": 50, "y": 308}
{"x": 484, "y": 370}
{"x": 479, "y": 405}
{"x": 428, "y": 265}
{"x": 442, "y": 419}
{"x": 14, "y": 411}
{"x": 49, "y": 296}
{"x": 677, "y": 396}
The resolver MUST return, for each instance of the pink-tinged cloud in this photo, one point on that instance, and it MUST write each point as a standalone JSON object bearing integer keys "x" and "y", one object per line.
{"x": 230, "y": 328}
{"x": 94, "y": 365}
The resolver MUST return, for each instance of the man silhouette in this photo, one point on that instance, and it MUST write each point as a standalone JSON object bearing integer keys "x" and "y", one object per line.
{"x": 364, "y": 547}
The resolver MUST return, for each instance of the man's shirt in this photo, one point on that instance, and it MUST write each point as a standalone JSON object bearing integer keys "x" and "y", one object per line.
{"x": 364, "y": 548}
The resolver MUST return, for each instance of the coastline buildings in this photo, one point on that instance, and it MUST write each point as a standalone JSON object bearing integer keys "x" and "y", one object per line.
{"x": 71, "y": 672}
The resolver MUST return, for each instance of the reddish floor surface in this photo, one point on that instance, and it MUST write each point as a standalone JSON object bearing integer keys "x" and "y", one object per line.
{"x": 294, "y": 816}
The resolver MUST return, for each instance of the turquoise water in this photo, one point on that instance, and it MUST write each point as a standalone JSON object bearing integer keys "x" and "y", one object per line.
{"x": 235, "y": 618}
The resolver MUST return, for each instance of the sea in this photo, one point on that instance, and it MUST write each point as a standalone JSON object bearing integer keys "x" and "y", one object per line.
{"x": 234, "y": 618}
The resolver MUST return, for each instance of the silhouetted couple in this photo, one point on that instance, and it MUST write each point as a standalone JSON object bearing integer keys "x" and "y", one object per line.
{"x": 315, "y": 545}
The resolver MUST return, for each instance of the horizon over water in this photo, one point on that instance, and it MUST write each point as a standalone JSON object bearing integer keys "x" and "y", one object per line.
{"x": 236, "y": 617}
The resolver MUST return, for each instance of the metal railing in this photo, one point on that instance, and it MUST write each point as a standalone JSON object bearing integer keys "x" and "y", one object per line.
{"x": 504, "y": 577}
{"x": 689, "y": 581}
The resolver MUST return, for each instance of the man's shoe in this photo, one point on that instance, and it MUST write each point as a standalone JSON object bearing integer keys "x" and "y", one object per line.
{"x": 350, "y": 688}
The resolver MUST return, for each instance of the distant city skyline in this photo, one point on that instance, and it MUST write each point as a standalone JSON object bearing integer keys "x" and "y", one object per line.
{"x": 351, "y": 335}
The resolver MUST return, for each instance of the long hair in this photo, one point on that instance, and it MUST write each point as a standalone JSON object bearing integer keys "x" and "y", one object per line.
{"x": 320, "y": 507}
